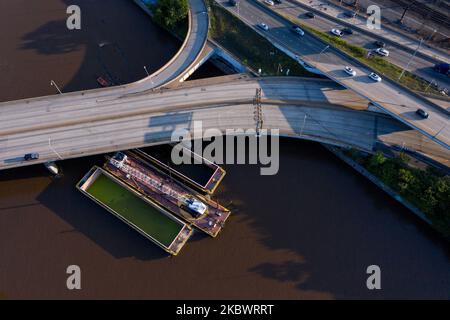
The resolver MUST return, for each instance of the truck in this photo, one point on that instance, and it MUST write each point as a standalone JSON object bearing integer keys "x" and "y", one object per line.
{"x": 443, "y": 68}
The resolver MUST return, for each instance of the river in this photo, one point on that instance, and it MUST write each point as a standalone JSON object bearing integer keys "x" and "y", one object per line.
{"x": 308, "y": 232}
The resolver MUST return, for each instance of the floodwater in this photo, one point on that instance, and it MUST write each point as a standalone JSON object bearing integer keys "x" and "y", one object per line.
{"x": 308, "y": 232}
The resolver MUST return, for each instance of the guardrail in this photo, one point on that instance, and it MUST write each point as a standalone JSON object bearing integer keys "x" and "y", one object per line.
{"x": 368, "y": 33}
{"x": 356, "y": 61}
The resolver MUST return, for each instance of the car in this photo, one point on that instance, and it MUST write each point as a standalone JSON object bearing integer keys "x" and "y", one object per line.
{"x": 103, "y": 82}
{"x": 350, "y": 14}
{"x": 278, "y": 1}
{"x": 269, "y": 2}
{"x": 297, "y": 30}
{"x": 375, "y": 77}
{"x": 380, "y": 44}
{"x": 350, "y": 71}
{"x": 422, "y": 113}
{"x": 310, "y": 14}
{"x": 232, "y": 3}
{"x": 263, "y": 26}
{"x": 443, "y": 68}
{"x": 31, "y": 156}
{"x": 382, "y": 52}
{"x": 347, "y": 31}
{"x": 337, "y": 32}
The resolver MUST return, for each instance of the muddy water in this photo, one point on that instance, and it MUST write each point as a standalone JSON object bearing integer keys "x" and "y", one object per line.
{"x": 308, "y": 232}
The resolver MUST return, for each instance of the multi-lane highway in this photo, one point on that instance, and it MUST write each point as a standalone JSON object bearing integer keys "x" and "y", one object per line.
{"x": 390, "y": 97}
{"x": 309, "y": 109}
{"x": 397, "y": 55}
{"x": 390, "y": 35}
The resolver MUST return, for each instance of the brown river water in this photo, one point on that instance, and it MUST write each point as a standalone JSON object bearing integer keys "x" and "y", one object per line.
{"x": 308, "y": 232}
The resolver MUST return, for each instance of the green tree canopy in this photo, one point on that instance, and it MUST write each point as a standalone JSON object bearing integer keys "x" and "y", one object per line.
{"x": 170, "y": 12}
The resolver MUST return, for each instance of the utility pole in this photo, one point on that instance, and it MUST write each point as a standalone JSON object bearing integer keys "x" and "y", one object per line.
{"x": 303, "y": 125}
{"x": 406, "y": 9}
{"x": 279, "y": 68}
{"x": 412, "y": 57}
{"x": 431, "y": 82}
{"x": 53, "y": 83}
{"x": 323, "y": 50}
{"x": 52, "y": 149}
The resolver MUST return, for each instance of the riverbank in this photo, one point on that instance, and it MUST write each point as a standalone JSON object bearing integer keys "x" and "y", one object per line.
{"x": 426, "y": 193}
{"x": 291, "y": 245}
{"x": 250, "y": 47}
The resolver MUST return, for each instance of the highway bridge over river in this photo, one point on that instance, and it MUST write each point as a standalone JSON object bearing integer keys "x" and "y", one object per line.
{"x": 147, "y": 111}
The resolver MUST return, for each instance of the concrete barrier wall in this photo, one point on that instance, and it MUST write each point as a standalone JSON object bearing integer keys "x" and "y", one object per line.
{"x": 356, "y": 61}
{"x": 379, "y": 183}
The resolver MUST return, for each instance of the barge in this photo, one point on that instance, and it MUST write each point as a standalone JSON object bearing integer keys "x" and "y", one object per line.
{"x": 145, "y": 216}
{"x": 202, "y": 175}
{"x": 194, "y": 208}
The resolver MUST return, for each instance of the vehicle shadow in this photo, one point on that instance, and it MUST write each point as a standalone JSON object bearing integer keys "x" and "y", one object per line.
{"x": 363, "y": 79}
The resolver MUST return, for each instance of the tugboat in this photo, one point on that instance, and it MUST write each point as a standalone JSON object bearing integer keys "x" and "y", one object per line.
{"x": 195, "y": 207}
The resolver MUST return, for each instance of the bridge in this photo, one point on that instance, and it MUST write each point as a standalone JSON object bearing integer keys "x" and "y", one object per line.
{"x": 389, "y": 96}
{"x": 147, "y": 111}
{"x": 318, "y": 110}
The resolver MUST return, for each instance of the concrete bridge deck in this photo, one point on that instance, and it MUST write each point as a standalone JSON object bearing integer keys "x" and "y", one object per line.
{"x": 68, "y": 128}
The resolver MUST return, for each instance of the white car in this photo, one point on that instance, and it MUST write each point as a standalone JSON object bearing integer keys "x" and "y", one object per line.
{"x": 375, "y": 77}
{"x": 297, "y": 30}
{"x": 337, "y": 32}
{"x": 382, "y": 52}
{"x": 263, "y": 26}
{"x": 269, "y": 2}
{"x": 350, "y": 71}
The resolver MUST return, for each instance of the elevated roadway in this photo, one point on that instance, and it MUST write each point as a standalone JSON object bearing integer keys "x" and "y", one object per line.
{"x": 388, "y": 96}
{"x": 318, "y": 110}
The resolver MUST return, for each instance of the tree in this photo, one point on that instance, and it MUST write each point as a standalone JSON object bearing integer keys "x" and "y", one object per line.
{"x": 170, "y": 12}
{"x": 406, "y": 179}
{"x": 376, "y": 161}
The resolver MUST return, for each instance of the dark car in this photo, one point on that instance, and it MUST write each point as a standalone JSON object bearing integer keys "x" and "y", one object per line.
{"x": 310, "y": 14}
{"x": 278, "y": 1}
{"x": 347, "y": 31}
{"x": 232, "y": 3}
{"x": 443, "y": 68}
{"x": 31, "y": 156}
{"x": 380, "y": 44}
{"x": 422, "y": 113}
{"x": 350, "y": 14}
{"x": 103, "y": 82}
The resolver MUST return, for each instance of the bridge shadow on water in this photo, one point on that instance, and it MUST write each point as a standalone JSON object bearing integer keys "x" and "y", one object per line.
{"x": 315, "y": 226}
{"x": 323, "y": 224}
{"x": 115, "y": 42}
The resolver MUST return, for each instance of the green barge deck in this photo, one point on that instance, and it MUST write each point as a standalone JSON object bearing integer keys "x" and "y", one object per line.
{"x": 148, "y": 218}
